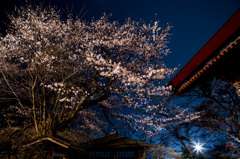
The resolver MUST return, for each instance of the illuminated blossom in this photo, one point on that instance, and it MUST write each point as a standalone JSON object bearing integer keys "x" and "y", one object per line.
{"x": 92, "y": 73}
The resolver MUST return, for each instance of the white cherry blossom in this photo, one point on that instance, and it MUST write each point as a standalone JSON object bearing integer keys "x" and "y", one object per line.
{"x": 94, "y": 72}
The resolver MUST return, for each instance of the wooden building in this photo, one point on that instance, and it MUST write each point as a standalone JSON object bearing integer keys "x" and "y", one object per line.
{"x": 56, "y": 147}
{"x": 108, "y": 147}
{"x": 218, "y": 58}
{"x": 115, "y": 147}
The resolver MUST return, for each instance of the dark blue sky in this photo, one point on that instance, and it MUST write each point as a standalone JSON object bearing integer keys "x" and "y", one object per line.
{"x": 194, "y": 21}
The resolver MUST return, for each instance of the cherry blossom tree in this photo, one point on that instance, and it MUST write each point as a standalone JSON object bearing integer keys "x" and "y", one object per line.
{"x": 95, "y": 74}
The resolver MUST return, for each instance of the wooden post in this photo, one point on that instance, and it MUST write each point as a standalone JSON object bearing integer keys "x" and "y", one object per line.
{"x": 237, "y": 86}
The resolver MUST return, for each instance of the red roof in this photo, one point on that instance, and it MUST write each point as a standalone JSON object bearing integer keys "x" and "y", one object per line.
{"x": 221, "y": 38}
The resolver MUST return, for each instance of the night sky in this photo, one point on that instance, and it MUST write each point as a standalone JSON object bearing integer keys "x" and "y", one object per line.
{"x": 194, "y": 21}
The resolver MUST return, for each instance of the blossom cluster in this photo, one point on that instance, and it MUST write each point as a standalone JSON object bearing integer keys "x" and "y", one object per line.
{"x": 83, "y": 65}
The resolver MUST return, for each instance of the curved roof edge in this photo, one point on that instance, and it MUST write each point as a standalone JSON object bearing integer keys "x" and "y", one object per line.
{"x": 228, "y": 32}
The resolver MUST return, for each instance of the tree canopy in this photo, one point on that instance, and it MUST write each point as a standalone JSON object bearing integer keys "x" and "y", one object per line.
{"x": 95, "y": 74}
